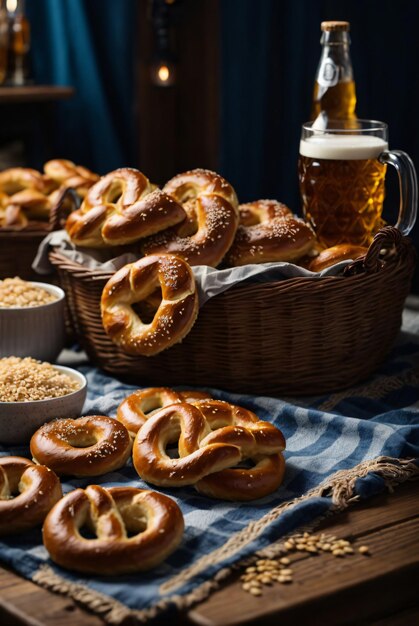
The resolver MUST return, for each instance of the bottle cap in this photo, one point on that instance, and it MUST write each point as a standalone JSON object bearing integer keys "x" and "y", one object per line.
{"x": 333, "y": 26}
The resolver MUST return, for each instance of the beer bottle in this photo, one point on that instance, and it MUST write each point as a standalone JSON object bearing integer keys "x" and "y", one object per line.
{"x": 334, "y": 87}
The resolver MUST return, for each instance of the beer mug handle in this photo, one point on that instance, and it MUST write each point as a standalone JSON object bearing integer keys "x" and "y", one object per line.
{"x": 408, "y": 186}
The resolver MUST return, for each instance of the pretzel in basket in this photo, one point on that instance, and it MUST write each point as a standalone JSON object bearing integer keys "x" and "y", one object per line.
{"x": 68, "y": 174}
{"x": 139, "y": 406}
{"x": 213, "y": 438}
{"x": 27, "y": 493}
{"x": 132, "y": 284}
{"x": 211, "y": 206}
{"x": 268, "y": 233}
{"x": 24, "y": 195}
{"x": 121, "y": 208}
{"x": 131, "y": 530}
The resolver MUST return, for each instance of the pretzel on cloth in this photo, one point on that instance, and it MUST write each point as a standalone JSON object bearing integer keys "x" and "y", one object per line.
{"x": 132, "y": 284}
{"x": 139, "y": 406}
{"x": 268, "y": 233}
{"x": 133, "y": 530}
{"x": 211, "y": 206}
{"x": 121, "y": 208}
{"x": 88, "y": 446}
{"x": 203, "y": 452}
{"x": 27, "y": 493}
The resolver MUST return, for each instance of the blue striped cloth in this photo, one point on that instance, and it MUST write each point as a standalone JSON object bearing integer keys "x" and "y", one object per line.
{"x": 323, "y": 434}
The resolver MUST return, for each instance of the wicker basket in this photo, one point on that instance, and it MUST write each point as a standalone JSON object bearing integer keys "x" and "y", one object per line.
{"x": 18, "y": 248}
{"x": 297, "y": 336}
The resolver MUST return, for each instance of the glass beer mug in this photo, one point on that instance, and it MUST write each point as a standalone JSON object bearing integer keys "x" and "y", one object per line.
{"x": 342, "y": 173}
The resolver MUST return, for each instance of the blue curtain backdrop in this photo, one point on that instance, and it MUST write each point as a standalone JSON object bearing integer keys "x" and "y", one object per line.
{"x": 88, "y": 44}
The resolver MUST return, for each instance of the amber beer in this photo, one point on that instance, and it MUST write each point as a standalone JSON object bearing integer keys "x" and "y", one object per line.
{"x": 342, "y": 186}
{"x": 342, "y": 175}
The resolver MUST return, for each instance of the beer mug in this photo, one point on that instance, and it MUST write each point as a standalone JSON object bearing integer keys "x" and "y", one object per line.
{"x": 342, "y": 170}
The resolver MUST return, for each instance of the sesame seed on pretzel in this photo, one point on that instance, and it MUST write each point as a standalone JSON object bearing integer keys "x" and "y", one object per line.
{"x": 211, "y": 207}
{"x": 133, "y": 284}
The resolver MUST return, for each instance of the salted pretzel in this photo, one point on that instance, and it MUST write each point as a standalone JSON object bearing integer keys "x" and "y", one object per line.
{"x": 121, "y": 208}
{"x": 335, "y": 254}
{"x": 259, "y": 211}
{"x": 132, "y": 530}
{"x": 132, "y": 284}
{"x": 27, "y": 493}
{"x": 88, "y": 446}
{"x": 269, "y": 232}
{"x": 68, "y": 174}
{"x": 211, "y": 206}
{"x": 139, "y": 406}
{"x": 260, "y": 442}
{"x": 238, "y": 435}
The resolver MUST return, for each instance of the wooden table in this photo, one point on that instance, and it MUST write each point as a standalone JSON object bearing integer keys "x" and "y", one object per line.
{"x": 376, "y": 590}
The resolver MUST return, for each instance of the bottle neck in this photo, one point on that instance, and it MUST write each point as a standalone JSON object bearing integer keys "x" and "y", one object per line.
{"x": 336, "y": 53}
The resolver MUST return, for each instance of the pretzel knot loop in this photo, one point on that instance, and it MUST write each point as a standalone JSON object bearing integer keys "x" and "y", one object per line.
{"x": 129, "y": 530}
{"x": 121, "y": 208}
{"x": 27, "y": 493}
{"x": 213, "y": 438}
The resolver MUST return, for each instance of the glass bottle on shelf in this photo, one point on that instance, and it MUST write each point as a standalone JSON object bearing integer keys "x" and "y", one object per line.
{"x": 334, "y": 93}
{"x": 19, "y": 42}
{"x": 4, "y": 41}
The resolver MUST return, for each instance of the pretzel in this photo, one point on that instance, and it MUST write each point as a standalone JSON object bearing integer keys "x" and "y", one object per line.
{"x": 112, "y": 514}
{"x": 66, "y": 172}
{"x": 134, "y": 283}
{"x": 139, "y": 406}
{"x": 121, "y": 208}
{"x": 16, "y": 179}
{"x": 206, "y": 457}
{"x": 27, "y": 493}
{"x": 88, "y": 446}
{"x": 211, "y": 206}
{"x": 259, "y": 211}
{"x": 268, "y": 233}
{"x": 230, "y": 424}
{"x": 335, "y": 254}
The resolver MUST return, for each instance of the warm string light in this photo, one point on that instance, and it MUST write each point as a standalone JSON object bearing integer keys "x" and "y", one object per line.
{"x": 11, "y": 6}
{"x": 163, "y": 73}
{"x": 163, "y": 67}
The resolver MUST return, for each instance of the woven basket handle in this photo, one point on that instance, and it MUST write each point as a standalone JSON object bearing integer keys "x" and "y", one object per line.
{"x": 59, "y": 212}
{"x": 388, "y": 238}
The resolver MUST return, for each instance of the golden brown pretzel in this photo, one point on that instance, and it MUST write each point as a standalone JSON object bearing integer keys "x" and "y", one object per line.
{"x": 112, "y": 514}
{"x": 278, "y": 238}
{"x": 259, "y": 211}
{"x": 139, "y": 406}
{"x": 134, "y": 283}
{"x": 212, "y": 209}
{"x": 27, "y": 493}
{"x": 213, "y": 437}
{"x": 260, "y": 442}
{"x": 88, "y": 446}
{"x": 121, "y": 208}
{"x": 335, "y": 254}
{"x": 62, "y": 170}
{"x": 24, "y": 195}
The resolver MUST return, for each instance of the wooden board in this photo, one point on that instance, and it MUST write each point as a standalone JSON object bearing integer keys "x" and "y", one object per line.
{"x": 380, "y": 590}
{"x": 35, "y": 93}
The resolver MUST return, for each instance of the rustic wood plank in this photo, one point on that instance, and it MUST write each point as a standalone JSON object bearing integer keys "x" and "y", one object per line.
{"x": 35, "y": 93}
{"x": 367, "y": 586}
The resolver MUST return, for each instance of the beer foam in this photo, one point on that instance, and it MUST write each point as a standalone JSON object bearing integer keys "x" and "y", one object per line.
{"x": 342, "y": 147}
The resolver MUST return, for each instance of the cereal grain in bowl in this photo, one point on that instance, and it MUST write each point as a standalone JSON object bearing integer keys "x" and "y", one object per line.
{"x": 15, "y": 292}
{"x": 31, "y": 319}
{"x": 33, "y": 393}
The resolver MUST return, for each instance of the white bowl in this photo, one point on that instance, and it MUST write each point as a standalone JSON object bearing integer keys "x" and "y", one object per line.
{"x": 36, "y": 331}
{"x": 19, "y": 420}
